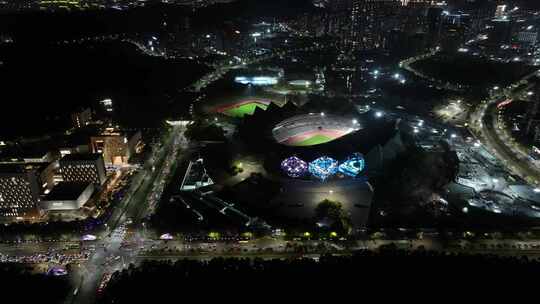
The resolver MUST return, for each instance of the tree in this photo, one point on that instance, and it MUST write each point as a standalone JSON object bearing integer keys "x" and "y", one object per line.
{"x": 201, "y": 130}
{"x": 332, "y": 216}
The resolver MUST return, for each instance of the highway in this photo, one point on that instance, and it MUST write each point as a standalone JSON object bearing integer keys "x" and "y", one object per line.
{"x": 104, "y": 259}
{"x": 485, "y": 126}
{"x": 119, "y": 246}
{"x": 407, "y": 65}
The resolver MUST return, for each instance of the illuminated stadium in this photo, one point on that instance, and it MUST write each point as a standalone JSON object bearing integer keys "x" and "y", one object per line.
{"x": 244, "y": 107}
{"x": 313, "y": 129}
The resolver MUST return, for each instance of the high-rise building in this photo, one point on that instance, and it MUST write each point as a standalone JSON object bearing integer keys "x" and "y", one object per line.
{"x": 81, "y": 118}
{"x": 500, "y": 11}
{"x": 366, "y": 24}
{"x": 371, "y": 21}
{"x": 83, "y": 168}
{"x": 500, "y": 32}
{"x": 532, "y": 116}
{"x": 527, "y": 38}
{"x": 19, "y": 190}
{"x": 434, "y": 25}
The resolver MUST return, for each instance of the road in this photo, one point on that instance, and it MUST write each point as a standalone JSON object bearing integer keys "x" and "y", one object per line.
{"x": 134, "y": 207}
{"x": 407, "y": 65}
{"x": 118, "y": 246}
{"x": 485, "y": 125}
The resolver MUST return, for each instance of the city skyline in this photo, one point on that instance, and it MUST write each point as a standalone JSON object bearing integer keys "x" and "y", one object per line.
{"x": 145, "y": 144}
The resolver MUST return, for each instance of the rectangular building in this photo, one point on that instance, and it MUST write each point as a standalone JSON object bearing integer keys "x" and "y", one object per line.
{"x": 115, "y": 146}
{"x": 67, "y": 196}
{"x": 19, "y": 190}
{"x": 83, "y": 168}
{"x": 81, "y": 118}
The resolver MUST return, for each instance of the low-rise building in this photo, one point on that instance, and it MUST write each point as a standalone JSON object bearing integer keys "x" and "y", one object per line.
{"x": 83, "y": 168}
{"x": 116, "y": 146}
{"x": 67, "y": 196}
{"x": 81, "y": 118}
{"x": 19, "y": 190}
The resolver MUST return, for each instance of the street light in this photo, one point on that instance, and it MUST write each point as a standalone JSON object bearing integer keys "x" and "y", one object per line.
{"x": 379, "y": 114}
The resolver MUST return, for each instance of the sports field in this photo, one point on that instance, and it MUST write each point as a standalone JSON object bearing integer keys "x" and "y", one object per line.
{"x": 314, "y": 140}
{"x": 245, "y": 109}
{"x": 314, "y": 137}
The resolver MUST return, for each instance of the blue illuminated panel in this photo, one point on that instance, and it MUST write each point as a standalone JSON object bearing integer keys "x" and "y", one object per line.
{"x": 353, "y": 166}
{"x": 323, "y": 167}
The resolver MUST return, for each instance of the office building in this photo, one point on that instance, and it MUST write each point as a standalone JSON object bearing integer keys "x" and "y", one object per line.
{"x": 527, "y": 38}
{"x": 81, "y": 118}
{"x": 19, "y": 191}
{"x": 67, "y": 196}
{"x": 116, "y": 147}
{"x": 83, "y": 168}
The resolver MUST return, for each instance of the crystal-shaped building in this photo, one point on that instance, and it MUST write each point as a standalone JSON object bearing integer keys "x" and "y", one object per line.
{"x": 323, "y": 167}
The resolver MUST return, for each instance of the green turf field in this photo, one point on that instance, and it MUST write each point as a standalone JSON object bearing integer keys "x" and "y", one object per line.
{"x": 245, "y": 109}
{"x": 314, "y": 140}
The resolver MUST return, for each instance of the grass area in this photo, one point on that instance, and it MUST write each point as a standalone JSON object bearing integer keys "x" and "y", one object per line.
{"x": 245, "y": 109}
{"x": 314, "y": 140}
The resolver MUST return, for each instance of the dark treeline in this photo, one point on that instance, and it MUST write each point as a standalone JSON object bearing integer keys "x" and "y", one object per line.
{"x": 247, "y": 9}
{"x": 19, "y": 285}
{"x": 46, "y": 26}
{"x": 239, "y": 279}
{"x": 38, "y": 26}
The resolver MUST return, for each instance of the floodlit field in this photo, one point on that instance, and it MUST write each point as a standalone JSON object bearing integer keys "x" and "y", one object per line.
{"x": 313, "y": 129}
{"x": 245, "y": 109}
{"x": 314, "y": 140}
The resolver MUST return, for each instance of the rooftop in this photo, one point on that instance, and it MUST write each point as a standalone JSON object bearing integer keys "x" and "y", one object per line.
{"x": 20, "y": 168}
{"x": 11, "y": 168}
{"x": 66, "y": 191}
{"x": 21, "y": 152}
{"x": 81, "y": 157}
